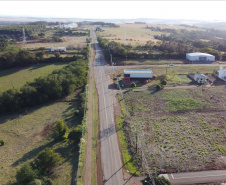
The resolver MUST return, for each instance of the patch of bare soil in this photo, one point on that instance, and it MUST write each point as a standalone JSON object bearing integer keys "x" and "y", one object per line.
{"x": 45, "y": 132}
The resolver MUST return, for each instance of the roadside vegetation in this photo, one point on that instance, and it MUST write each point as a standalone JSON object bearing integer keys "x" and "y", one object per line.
{"x": 186, "y": 125}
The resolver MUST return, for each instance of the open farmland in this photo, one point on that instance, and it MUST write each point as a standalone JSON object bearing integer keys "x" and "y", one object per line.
{"x": 27, "y": 134}
{"x": 17, "y": 77}
{"x": 136, "y": 34}
{"x": 188, "y": 124}
{"x": 67, "y": 41}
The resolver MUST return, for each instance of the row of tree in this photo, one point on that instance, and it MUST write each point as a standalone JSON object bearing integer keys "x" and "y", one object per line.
{"x": 20, "y": 58}
{"x": 44, "y": 89}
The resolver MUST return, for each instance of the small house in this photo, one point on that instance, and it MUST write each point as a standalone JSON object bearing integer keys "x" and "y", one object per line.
{"x": 201, "y": 57}
{"x": 200, "y": 78}
{"x": 221, "y": 73}
{"x": 59, "y": 49}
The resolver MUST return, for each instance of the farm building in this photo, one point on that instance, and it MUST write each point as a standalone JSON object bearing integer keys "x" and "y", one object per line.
{"x": 141, "y": 74}
{"x": 58, "y": 49}
{"x": 201, "y": 57}
{"x": 200, "y": 78}
{"x": 221, "y": 73}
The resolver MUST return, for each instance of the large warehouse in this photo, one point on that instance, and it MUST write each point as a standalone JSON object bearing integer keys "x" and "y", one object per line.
{"x": 136, "y": 73}
{"x": 201, "y": 57}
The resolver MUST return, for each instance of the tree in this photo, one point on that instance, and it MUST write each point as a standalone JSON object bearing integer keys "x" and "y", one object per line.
{"x": 39, "y": 55}
{"x": 60, "y": 129}
{"x": 26, "y": 174}
{"x": 47, "y": 160}
{"x": 158, "y": 180}
{"x": 57, "y": 54}
{"x": 75, "y": 134}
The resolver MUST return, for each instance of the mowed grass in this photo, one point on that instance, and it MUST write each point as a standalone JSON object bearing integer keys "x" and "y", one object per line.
{"x": 188, "y": 124}
{"x": 27, "y": 134}
{"x": 17, "y": 77}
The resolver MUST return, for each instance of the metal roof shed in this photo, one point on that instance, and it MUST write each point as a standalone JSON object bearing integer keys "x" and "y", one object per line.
{"x": 203, "y": 57}
{"x": 136, "y": 73}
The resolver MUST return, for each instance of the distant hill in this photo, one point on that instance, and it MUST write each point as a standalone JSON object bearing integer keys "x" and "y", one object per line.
{"x": 217, "y": 25}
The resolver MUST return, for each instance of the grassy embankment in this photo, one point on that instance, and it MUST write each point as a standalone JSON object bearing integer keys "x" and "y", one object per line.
{"x": 95, "y": 135}
{"x": 189, "y": 124}
{"x": 26, "y": 135}
{"x": 17, "y": 77}
{"x": 127, "y": 159}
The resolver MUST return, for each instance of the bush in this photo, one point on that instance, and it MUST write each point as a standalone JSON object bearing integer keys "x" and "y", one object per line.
{"x": 2, "y": 142}
{"x": 75, "y": 134}
{"x": 157, "y": 87}
{"x": 76, "y": 112}
{"x": 163, "y": 82}
{"x": 60, "y": 129}
{"x": 133, "y": 84}
{"x": 35, "y": 182}
{"x": 158, "y": 180}
{"x": 26, "y": 174}
{"x": 47, "y": 160}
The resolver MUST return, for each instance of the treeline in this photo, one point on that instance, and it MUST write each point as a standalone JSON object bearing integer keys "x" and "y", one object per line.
{"x": 44, "y": 89}
{"x": 24, "y": 58}
{"x": 164, "y": 49}
{"x": 71, "y": 32}
{"x": 16, "y": 31}
{"x": 97, "y": 23}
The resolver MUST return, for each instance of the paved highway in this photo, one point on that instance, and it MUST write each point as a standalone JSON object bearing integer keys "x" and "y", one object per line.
{"x": 196, "y": 177}
{"x": 110, "y": 154}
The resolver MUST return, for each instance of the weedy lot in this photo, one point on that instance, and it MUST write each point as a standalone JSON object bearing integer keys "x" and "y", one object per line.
{"x": 26, "y": 134}
{"x": 187, "y": 124}
{"x": 17, "y": 77}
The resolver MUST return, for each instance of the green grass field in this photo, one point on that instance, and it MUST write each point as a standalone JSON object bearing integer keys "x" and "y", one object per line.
{"x": 26, "y": 134}
{"x": 17, "y": 77}
{"x": 188, "y": 124}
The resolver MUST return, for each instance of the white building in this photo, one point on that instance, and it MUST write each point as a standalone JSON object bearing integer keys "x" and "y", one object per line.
{"x": 203, "y": 57}
{"x": 136, "y": 73}
{"x": 200, "y": 78}
{"x": 221, "y": 73}
{"x": 58, "y": 49}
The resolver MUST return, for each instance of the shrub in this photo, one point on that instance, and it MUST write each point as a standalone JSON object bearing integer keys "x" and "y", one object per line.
{"x": 75, "y": 134}
{"x": 164, "y": 82}
{"x": 35, "y": 182}
{"x": 47, "y": 160}
{"x": 60, "y": 129}
{"x": 133, "y": 84}
{"x": 26, "y": 174}
{"x": 158, "y": 180}
{"x": 2, "y": 142}
{"x": 76, "y": 112}
{"x": 157, "y": 87}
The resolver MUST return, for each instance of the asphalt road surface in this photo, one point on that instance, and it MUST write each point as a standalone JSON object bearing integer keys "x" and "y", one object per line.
{"x": 197, "y": 177}
{"x": 110, "y": 154}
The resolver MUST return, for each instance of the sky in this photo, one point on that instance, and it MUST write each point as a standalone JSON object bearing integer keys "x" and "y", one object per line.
{"x": 188, "y": 10}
